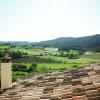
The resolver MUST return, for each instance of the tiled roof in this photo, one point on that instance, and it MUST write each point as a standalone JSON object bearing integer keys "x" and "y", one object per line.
{"x": 74, "y": 84}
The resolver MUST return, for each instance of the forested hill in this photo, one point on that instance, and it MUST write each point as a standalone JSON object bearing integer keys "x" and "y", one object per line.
{"x": 80, "y": 43}
{"x": 65, "y": 43}
{"x": 17, "y": 43}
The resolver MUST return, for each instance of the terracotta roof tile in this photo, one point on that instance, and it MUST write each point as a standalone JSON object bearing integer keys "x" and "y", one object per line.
{"x": 74, "y": 84}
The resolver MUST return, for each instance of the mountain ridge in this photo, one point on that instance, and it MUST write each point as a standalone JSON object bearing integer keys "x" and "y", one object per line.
{"x": 81, "y": 43}
{"x": 65, "y": 43}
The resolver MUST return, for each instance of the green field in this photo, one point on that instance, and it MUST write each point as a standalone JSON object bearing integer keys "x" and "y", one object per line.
{"x": 47, "y": 59}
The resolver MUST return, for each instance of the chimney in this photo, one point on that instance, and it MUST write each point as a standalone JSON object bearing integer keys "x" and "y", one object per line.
{"x": 6, "y": 73}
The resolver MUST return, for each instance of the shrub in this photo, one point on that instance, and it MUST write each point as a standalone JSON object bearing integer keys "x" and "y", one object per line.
{"x": 32, "y": 68}
{"x": 74, "y": 66}
{"x": 19, "y": 67}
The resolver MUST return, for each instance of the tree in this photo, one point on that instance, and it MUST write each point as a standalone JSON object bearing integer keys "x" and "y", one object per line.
{"x": 16, "y": 54}
{"x": 72, "y": 54}
{"x": 32, "y": 68}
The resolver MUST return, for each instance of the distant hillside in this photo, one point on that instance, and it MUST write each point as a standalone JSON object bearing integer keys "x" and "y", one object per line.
{"x": 80, "y": 43}
{"x": 16, "y": 42}
{"x": 65, "y": 43}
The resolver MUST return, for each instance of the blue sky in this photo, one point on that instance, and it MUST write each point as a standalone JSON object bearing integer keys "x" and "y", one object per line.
{"x": 37, "y": 20}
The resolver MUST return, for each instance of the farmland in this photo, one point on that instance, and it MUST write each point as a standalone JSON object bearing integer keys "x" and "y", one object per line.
{"x": 47, "y": 59}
